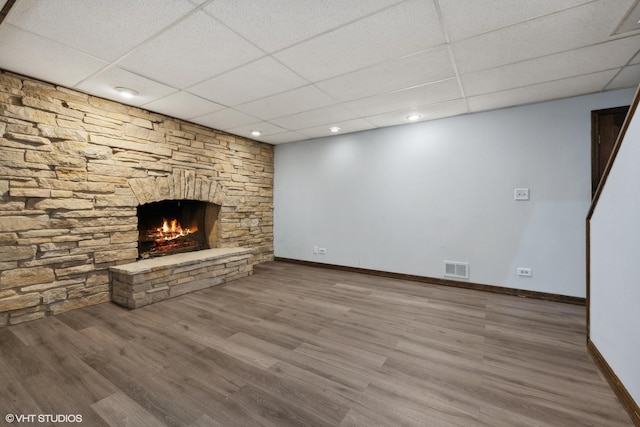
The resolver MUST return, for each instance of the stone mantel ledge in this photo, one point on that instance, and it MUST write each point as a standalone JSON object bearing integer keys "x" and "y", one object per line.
{"x": 178, "y": 260}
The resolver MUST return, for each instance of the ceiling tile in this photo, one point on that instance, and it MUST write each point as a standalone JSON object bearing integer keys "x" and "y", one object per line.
{"x": 355, "y": 64}
{"x": 256, "y": 80}
{"x": 409, "y": 27}
{"x": 321, "y": 116}
{"x": 587, "y": 60}
{"x": 577, "y": 27}
{"x": 111, "y": 29}
{"x": 104, "y": 83}
{"x": 631, "y": 22}
{"x": 265, "y": 129}
{"x": 195, "y": 49}
{"x": 424, "y": 67}
{"x": 581, "y": 85}
{"x": 347, "y": 126}
{"x": 284, "y": 104}
{"x": 430, "y": 112}
{"x": 29, "y": 54}
{"x": 283, "y": 138}
{"x": 627, "y": 77}
{"x": 183, "y": 105}
{"x": 225, "y": 119}
{"x": 276, "y": 24}
{"x": 464, "y": 18}
{"x": 415, "y": 97}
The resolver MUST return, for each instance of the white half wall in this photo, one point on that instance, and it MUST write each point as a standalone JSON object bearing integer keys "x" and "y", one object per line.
{"x": 405, "y": 198}
{"x": 615, "y": 267}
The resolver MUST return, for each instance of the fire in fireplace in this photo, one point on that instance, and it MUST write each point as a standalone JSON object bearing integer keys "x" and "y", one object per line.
{"x": 170, "y": 227}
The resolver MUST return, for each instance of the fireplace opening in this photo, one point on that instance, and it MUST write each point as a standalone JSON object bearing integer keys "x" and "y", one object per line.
{"x": 175, "y": 226}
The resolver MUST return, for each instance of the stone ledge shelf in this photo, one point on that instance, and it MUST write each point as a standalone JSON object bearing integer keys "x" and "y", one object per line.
{"x": 156, "y": 279}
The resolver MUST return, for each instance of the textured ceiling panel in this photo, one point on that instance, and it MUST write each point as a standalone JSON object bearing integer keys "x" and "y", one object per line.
{"x": 401, "y": 30}
{"x": 466, "y": 18}
{"x": 553, "y": 67}
{"x": 284, "y": 104}
{"x": 424, "y": 67}
{"x": 631, "y": 22}
{"x": 27, "y": 53}
{"x": 541, "y": 92}
{"x": 190, "y": 52}
{"x": 321, "y": 116}
{"x": 430, "y": 112}
{"x": 275, "y": 24}
{"x": 105, "y": 29}
{"x": 432, "y": 93}
{"x": 581, "y": 26}
{"x": 104, "y": 85}
{"x": 283, "y": 138}
{"x": 628, "y": 77}
{"x": 226, "y": 119}
{"x": 183, "y": 105}
{"x": 259, "y": 79}
{"x": 265, "y": 129}
{"x": 347, "y": 126}
{"x": 294, "y": 68}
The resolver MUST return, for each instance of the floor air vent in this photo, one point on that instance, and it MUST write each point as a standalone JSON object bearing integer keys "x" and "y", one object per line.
{"x": 459, "y": 270}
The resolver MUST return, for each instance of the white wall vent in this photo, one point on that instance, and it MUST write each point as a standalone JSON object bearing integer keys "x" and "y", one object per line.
{"x": 459, "y": 270}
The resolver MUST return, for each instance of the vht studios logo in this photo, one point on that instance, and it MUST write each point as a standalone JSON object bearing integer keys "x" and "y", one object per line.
{"x": 43, "y": 418}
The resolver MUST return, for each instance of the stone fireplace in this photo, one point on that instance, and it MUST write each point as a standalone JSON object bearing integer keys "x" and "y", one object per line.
{"x": 75, "y": 171}
{"x": 172, "y": 263}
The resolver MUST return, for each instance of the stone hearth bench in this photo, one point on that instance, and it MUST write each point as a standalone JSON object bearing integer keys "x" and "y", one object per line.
{"x": 151, "y": 280}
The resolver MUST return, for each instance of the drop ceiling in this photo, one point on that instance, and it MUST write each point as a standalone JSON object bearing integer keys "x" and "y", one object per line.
{"x": 292, "y": 69}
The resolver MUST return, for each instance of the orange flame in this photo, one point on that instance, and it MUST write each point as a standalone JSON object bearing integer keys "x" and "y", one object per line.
{"x": 170, "y": 230}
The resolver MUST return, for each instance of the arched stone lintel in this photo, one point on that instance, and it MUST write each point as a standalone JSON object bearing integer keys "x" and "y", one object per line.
{"x": 182, "y": 184}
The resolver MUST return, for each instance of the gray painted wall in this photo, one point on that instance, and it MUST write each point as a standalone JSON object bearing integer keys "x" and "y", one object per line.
{"x": 403, "y": 199}
{"x": 615, "y": 270}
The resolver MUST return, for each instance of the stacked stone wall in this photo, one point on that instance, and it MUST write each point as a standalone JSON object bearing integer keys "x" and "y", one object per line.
{"x": 73, "y": 169}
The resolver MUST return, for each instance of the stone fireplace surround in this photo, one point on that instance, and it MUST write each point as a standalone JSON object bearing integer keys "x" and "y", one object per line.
{"x": 150, "y": 190}
{"x": 73, "y": 168}
{"x": 147, "y": 281}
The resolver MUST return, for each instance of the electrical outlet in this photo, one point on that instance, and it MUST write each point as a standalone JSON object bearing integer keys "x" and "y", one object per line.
{"x": 315, "y": 249}
{"x": 322, "y": 251}
{"x": 521, "y": 194}
{"x": 521, "y": 271}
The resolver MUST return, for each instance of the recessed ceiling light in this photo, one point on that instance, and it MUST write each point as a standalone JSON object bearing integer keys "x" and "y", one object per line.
{"x": 256, "y": 133}
{"x": 414, "y": 117}
{"x": 334, "y": 129}
{"x": 125, "y": 92}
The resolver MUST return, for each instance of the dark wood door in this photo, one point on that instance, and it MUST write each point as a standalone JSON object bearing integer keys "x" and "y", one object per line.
{"x": 605, "y": 127}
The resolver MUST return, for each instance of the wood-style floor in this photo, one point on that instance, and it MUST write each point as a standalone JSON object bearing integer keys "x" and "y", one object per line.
{"x": 298, "y": 345}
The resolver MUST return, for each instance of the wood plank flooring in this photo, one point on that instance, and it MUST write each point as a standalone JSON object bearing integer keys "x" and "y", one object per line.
{"x": 305, "y": 346}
